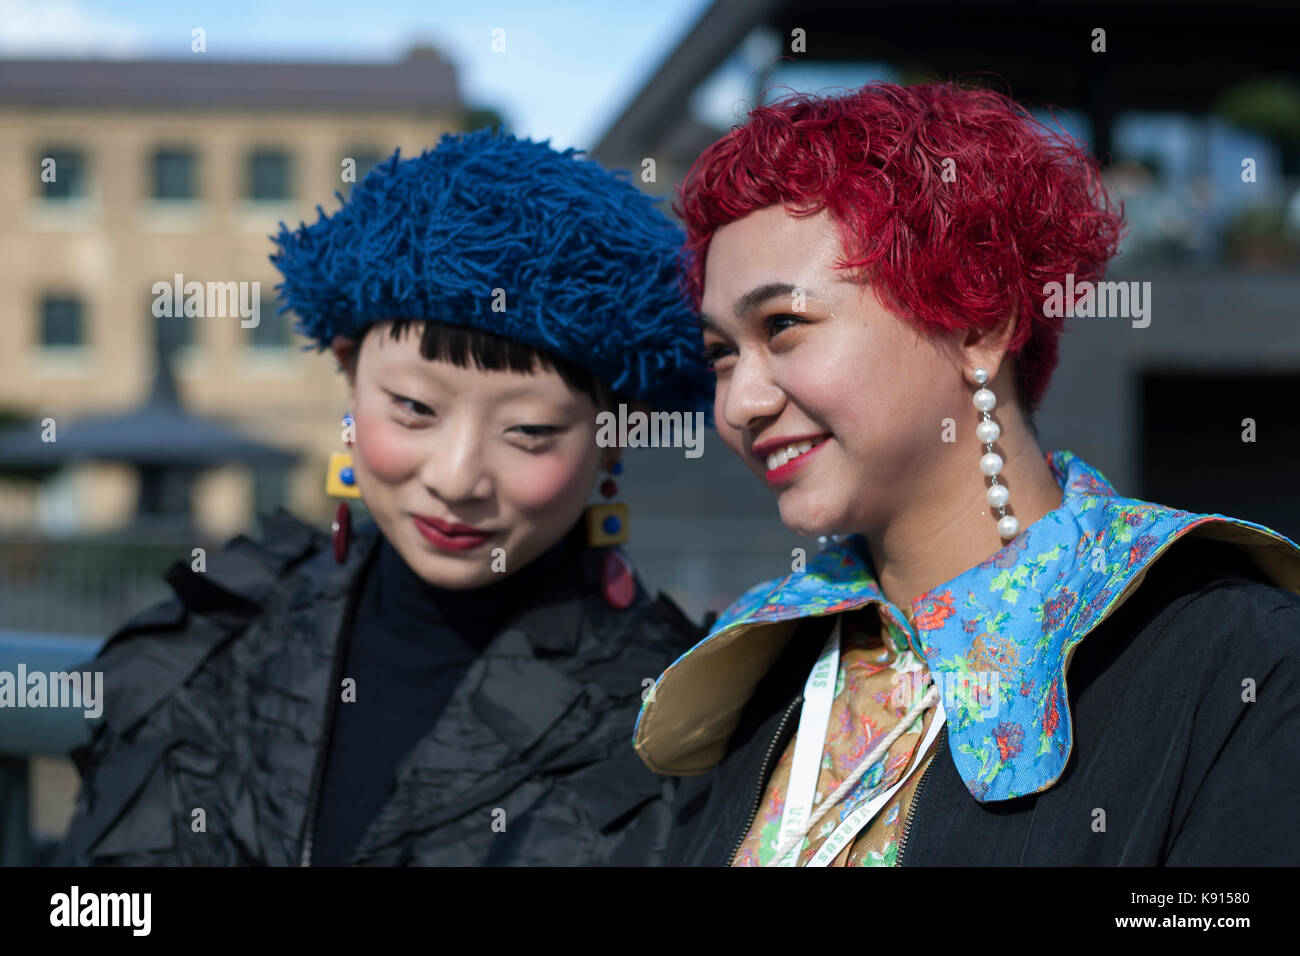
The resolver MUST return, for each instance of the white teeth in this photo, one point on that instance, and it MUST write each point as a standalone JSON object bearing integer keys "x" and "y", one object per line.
{"x": 779, "y": 458}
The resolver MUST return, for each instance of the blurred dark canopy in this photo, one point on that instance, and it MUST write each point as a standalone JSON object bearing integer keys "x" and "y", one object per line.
{"x": 1160, "y": 56}
{"x": 167, "y": 444}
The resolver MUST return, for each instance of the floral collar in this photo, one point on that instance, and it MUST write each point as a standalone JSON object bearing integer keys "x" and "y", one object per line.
{"x": 1006, "y": 627}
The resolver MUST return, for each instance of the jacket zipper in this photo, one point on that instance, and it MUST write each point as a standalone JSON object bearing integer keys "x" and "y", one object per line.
{"x": 916, "y": 796}
{"x": 318, "y": 769}
{"x": 762, "y": 776}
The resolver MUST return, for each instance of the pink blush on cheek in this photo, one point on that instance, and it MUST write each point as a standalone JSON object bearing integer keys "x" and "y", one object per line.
{"x": 547, "y": 483}
{"x": 384, "y": 454}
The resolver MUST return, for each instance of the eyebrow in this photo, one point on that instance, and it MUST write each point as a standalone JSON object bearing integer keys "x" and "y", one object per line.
{"x": 753, "y": 299}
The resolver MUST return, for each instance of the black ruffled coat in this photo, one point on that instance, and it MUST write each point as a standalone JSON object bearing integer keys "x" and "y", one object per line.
{"x": 216, "y": 701}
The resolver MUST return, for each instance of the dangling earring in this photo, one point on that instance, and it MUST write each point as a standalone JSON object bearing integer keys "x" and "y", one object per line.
{"x": 607, "y": 525}
{"x": 341, "y": 482}
{"x": 607, "y": 522}
{"x": 991, "y": 463}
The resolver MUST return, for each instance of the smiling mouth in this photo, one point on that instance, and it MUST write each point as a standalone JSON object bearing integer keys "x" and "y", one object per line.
{"x": 784, "y": 463}
{"x": 783, "y": 456}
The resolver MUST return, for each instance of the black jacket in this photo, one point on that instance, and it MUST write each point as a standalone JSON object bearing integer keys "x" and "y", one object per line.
{"x": 215, "y": 709}
{"x": 1186, "y": 774}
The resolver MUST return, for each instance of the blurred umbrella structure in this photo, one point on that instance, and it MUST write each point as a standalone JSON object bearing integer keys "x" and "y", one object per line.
{"x": 167, "y": 444}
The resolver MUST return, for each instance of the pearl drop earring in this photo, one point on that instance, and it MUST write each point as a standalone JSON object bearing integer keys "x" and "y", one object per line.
{"x": 991, "y": 463}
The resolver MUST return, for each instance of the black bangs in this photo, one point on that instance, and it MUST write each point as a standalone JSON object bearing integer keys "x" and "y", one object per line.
{"x": 462, "y": 346}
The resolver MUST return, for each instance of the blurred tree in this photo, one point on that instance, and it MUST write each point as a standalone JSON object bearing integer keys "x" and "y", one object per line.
{"x": 1271, "y": 107}
{"x": 479, "y": 116}
{"x": 1257, "y": 236}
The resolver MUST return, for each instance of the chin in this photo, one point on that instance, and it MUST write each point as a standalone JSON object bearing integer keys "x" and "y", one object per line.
{"x": 810, "y": 522}
{"x": 453, "y": 574}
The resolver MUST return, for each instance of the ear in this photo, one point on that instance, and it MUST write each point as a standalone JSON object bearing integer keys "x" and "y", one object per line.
{"x": 345, "y": 350}
{"x": 987, "y": 349}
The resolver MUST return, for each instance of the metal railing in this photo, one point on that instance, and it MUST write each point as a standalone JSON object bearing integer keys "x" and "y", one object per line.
{"x": 27, "y": 732}
{"x": 82, "y": 586}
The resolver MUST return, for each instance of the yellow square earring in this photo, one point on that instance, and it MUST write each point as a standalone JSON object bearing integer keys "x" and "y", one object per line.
{"x": 341, "y": 482}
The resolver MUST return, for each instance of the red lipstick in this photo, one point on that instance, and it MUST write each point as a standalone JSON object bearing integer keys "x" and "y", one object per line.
{"x": 782, "y": 474}
{"x": 450, "y": 535}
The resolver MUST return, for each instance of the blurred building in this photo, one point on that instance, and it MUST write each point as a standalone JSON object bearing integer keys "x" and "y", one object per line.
{"x": 139, "y": 172}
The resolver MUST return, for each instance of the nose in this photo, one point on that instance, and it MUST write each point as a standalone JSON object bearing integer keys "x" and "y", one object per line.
{"x": 454, "y": 469}
{"x": 751, "y": 394}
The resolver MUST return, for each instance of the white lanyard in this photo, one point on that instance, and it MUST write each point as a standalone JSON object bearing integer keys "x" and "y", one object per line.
{"x": 863, "y": 815}
{"x": 814, "y": 721}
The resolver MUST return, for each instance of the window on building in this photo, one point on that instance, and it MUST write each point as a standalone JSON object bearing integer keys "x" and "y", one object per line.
{"x": 63, "y": 174}
{"x": 175, "y": 174}
{"x": 62, "y": 321}
{"x": 270, "y": 175}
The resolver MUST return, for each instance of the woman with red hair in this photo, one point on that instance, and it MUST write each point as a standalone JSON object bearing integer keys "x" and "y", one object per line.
{"x": 997, "y": 659}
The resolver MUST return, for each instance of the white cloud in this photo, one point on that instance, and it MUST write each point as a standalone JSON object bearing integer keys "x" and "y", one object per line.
{"x": 63, "y": 28}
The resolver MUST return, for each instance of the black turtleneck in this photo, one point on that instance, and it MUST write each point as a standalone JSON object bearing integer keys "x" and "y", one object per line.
{"x": 409, "y": 647}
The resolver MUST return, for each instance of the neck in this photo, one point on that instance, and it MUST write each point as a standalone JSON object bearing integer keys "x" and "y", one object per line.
{"x": 951, "y": 527}
{"x": 404, "y": 597}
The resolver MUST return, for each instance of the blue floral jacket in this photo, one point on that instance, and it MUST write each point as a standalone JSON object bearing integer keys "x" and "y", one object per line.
{"x": 1020, "y": 614}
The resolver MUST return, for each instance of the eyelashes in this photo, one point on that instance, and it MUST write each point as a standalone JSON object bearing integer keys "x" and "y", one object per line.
{"x": 418, "y": 408}
{"x": 409, "y": 408}
{"x": 711, "y": 352}
{"x": 772, "y": 319}
{"x": 711, "y": 355}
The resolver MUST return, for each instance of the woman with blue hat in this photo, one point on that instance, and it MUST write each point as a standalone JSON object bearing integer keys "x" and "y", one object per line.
{"x": 455, "y": 681}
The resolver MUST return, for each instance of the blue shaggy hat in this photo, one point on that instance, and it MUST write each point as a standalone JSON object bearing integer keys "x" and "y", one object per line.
{"x": 584, "y": 260}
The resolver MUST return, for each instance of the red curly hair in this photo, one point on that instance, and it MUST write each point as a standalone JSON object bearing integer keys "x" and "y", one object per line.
{"x": 1025, "y": 204}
